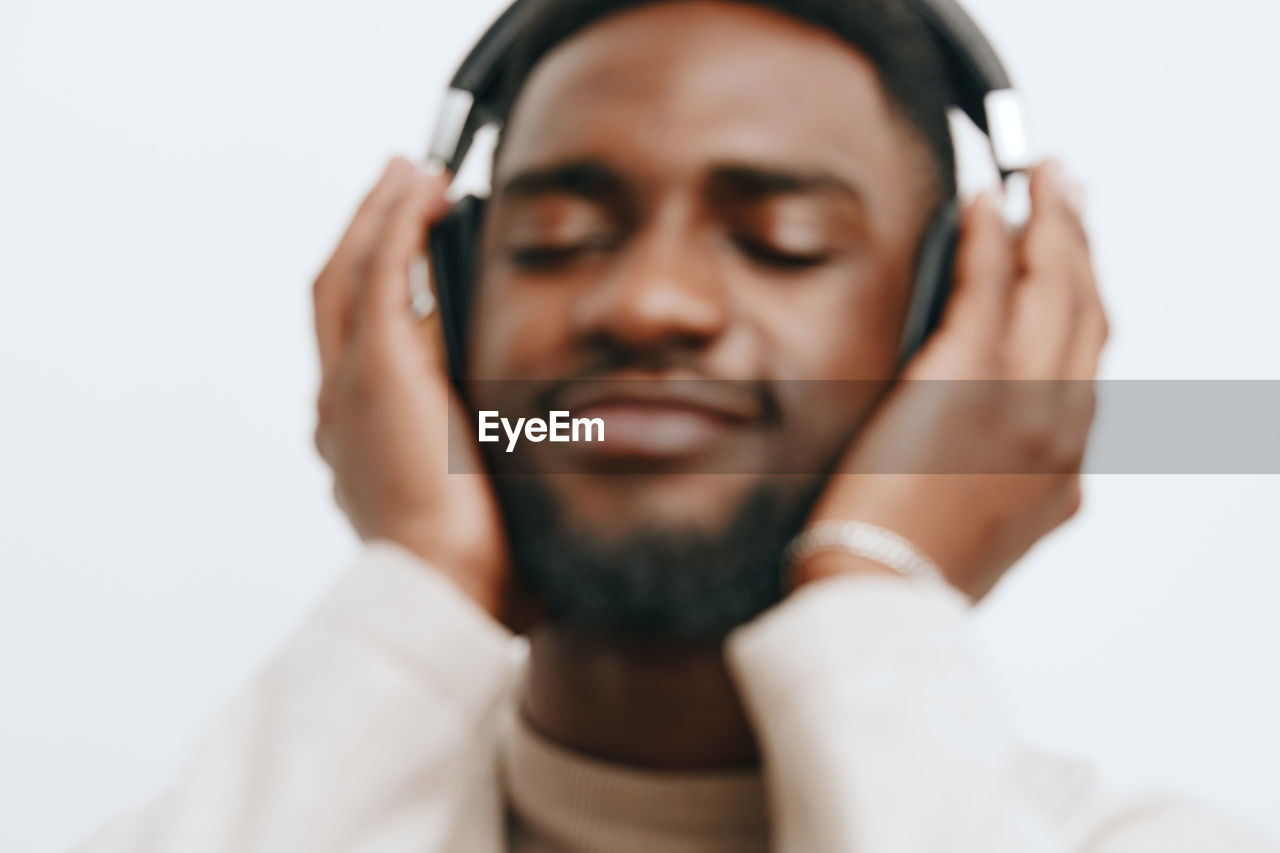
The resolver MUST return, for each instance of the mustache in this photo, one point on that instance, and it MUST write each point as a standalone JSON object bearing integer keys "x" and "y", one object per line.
{"x": 657, "y": 376}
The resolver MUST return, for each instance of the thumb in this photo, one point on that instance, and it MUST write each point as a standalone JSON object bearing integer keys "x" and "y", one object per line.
{"x": 984, "y": 272}
{"x": 429, "y": 327}
{"x": 386, "y": 296}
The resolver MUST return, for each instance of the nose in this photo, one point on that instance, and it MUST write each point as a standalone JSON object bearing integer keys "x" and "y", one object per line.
{"x": 663, "y": 292}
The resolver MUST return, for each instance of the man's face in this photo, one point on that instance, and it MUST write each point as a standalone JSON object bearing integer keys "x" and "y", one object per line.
{"x": 695, "y": 191}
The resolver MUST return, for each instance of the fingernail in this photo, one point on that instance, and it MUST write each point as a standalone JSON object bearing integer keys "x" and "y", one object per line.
{"x": 1076, "y": 195}
{"x": 398, "y": 170}
{"x": 1017, "y": 202}
{"x": 1055, "y": 172}
{"x": 990, "y": 200}
{"x": 422, "y": 301}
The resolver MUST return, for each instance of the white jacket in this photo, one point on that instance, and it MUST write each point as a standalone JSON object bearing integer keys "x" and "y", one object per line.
{"x": 377, "y": 729}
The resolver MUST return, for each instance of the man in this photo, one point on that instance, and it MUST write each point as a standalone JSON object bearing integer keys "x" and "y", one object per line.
{"x": 702, "y": 192}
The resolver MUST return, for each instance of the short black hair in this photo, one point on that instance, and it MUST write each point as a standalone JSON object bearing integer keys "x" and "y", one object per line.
{"x": 907, "y": 55}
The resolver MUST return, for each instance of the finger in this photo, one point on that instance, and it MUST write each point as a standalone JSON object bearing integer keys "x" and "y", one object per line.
{"x": 984, "y": 272}
{"x": 385, "y": 294}
{"x": 340, "y": 498}
{"x": 1094, "y": 326}
{"x": 1077, "y": 413}
{"x": 1095, "y": 329}
{"x": 323, "y": 441}
{"x": 1048, "y": 298}
{"x": 430, "y": 334}
{"x": 335, "y": 284}
{"x": 426, "y": 307}
{"x": 1056, "y": 209}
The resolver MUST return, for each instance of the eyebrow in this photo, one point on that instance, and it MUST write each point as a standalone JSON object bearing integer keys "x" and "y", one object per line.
{"x": 595, "y": 180}
{"x": 588, "y": 179}
{"x": 758, "y": 183}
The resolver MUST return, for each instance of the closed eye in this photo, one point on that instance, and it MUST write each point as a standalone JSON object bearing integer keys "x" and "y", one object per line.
{"x": 766, "y": 255}
{"x": 542, "y": 257}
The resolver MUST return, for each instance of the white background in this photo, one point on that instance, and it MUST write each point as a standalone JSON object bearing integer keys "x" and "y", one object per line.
{"x": 171, "y": 177}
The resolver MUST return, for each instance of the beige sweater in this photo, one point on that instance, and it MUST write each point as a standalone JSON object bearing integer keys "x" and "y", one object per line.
{"x": 386, "y": 725}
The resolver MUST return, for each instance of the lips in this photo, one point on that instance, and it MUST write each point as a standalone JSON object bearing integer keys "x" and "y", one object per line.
{"x": 646, "y": 419}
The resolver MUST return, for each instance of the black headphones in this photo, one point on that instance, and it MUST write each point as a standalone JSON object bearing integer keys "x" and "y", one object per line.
{"x": 981, "y": 89}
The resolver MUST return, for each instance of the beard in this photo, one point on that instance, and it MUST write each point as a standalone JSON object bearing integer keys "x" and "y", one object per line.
{"x": 655, "y": 580}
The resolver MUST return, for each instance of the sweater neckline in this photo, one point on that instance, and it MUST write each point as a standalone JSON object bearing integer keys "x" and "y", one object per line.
{"x": 564, "y": 801}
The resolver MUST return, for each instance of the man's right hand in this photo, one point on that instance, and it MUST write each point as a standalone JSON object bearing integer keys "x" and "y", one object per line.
{"x": 385, "y": 403}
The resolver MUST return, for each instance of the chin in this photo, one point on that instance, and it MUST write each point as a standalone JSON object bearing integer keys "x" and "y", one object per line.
{"x": 617, "y": 504}
{"x": 689, "y": 556}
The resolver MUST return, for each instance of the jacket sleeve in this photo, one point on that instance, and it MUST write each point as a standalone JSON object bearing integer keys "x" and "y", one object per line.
{"x": 881, "y": 732}
{"x": 374, "y": 729}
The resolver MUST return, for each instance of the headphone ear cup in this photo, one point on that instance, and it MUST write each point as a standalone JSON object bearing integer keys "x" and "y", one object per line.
{"x": 935, "y": 265}
{"x": 454, "y": 244}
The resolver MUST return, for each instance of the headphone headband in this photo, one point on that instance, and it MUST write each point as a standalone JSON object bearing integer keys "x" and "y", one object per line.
{"x": 984, "y": 90}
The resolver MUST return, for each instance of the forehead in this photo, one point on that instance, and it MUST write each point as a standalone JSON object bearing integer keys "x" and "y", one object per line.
{"x": 669, "y": 87}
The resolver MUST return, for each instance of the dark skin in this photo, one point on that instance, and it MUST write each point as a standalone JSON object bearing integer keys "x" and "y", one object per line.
{"x": 728, "y": 191}
{"x": 771, "y": 243}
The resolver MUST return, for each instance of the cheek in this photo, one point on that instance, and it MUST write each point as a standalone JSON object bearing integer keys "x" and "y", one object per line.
{"x": 835, "y": 347}
{"x": 845, "y": 326}
{"x": 518, "y": 332}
